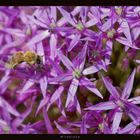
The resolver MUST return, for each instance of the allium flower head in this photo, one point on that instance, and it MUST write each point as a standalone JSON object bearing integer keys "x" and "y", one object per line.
{"x": 53, "y": 62}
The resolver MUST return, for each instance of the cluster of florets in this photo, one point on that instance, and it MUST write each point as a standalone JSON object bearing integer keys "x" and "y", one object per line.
{"x": 65, "y": 70}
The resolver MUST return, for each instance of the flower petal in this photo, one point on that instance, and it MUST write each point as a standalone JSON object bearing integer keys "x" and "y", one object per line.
{"x": 61, "y": 129}
{"x": 135, "y": 100}
{"x": 39, "y": 37}
{"x": 15, "y": 43}
{"x": 65, "y": 61}
{"x": 43, "y": 102}
{"x": 91, "y": 70}
{"x": 74, "y": 42}
{"x": 123, "y": 41}
{"x": 83, "y": 129}
{"x": 111, "y": 88}
{"x": 57, "y": 68}
{"x": 15, "y": 32}
{"x": 126, "y": 30}
{"x": 128, "y": 129}
{"x": 107, "y": 25}
{"x": 3, "y": 81}
{"x": 106, "y": 129}
{"x": 17, "y": 122}
{"x": 37, "y": 22}
{"x": 89, "y": 85}
{"x": 79, "y": 60}
{"x": 56, "y": 95}
{"x": 53, "y": 48}
{"x": 53, "y": 12}
{"x": 67, "y": 16}
{"x": 10, "y": 109}
{"x": 77, "y": 105}
{"x": 47, "y": 122}
{"x": 116, "y": 121}
{"x": 72, "y": 91}
{"x": 128, "y": 86}
{"x": 138, "y": 61}
{"x": 91, "y": 22}
{"x": 27, "y": 85}
{"x": 43, "y": 85}
{"x": 136, "y": 32}
{"x": 1, "y": 38}
{"x": 61, "y": 78}
{"x": 132, "y": 108}
{"x": 76, "y": 10}
{"x": 102, "y": 106}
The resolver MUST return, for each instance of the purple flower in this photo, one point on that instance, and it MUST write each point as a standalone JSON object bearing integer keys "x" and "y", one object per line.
{"x": 130, "y": 128}
{"x": 53, "y": 57}
{"x": 120, "y": 103}
{"x": 99, "y": 121}
{"x": 111, "y": 32}
{"x": 75, "y": 74}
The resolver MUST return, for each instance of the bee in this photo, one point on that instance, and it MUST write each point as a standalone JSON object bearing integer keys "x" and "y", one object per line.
{"x": 16, "y": 59}
{"x": 32, "y": 58}
{"x": 29, "y": 57}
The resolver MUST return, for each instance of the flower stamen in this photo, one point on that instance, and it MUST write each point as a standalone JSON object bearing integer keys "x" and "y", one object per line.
{"x": 111, "y": 33}
{"x": 80, "y": 26}
{"x": 101, "y": 127}
{"x": 77, "y": 73}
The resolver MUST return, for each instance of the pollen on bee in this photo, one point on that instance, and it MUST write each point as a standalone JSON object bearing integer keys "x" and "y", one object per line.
{"x": 30, "y": 57}
{"x": 16, "y": 59}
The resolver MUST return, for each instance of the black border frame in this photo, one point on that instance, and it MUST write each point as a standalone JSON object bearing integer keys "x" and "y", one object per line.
{"x": 68, "y": 3}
